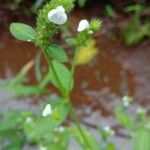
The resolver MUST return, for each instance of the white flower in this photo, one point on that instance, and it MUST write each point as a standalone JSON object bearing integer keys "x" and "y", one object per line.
{"x": 141, "y": 110}
{"x": 47, "y": 111}
{"x": 42, "y": 148}
{"x": 126, "y": 100}
{"x": 60, "y": 129}
{"x": 109, "y": 131}
{"x": 83, "y": 25}
{"x": 57, "y": 15}
{"x": 29, "y": 120}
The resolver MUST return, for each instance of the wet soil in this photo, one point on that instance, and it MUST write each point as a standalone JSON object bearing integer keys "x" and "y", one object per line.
{"x": 118, "y": 70}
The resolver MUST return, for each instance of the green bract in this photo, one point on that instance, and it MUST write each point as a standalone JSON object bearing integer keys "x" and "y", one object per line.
{"x": 23, "y": 32}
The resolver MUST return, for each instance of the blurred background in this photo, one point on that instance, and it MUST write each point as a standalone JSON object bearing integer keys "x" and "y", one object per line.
{"x": 121, "y": 67}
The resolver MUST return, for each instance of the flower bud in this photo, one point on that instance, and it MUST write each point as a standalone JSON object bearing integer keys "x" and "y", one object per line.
{"x": 83, "y": 25}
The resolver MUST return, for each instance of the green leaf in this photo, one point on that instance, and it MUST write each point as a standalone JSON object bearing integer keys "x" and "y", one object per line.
{"x": 61, "y": 143}
{"x": 90, "y": 139}
{"x": 81, "y": 3}
{"x": 20, "y": 90}
{"x": 110, "y": 146}
{"x": 43, "y": 127}
{"x": 56, "y": 52}
{"x": 123, "y": 118}
{"x": 71, "y": 41}
{"x": 23, "y": 32}
{"x": 110, "y": 11}
{"x": 141, "y": 140}
{"x": 10, "y": 120}
{"x": 61, "y": 77}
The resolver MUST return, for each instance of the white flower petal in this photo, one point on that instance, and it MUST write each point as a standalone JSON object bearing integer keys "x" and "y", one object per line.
{"x": 47, "y": 111}
{"x": 29, "y": 120}
{"x": 42, "y": 148}
{"x": 83, "y": 25}
{"x": 58, "y": 15}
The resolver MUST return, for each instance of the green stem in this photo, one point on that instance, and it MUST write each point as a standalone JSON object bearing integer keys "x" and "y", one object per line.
{"x": 50, "y": 64}
{"x": 74, "y": 62}
{"x": 45, "y": 80}
{"x": 73, "y": 112}
{"x": 75, "y": 117}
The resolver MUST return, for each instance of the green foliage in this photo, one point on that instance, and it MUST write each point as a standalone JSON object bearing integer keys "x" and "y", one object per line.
{"x": 139, "y": 130}
{"x": 23, "y": 32}
{"x": 11, "y": 130}
{"x": 71, "y": 41}
{"x": 136, "y": 29}
{"x": 110, "y": 11}
{"x": 91, "y": 140}
{"x": 122, "y": 117}
{"x": 81, "y": 3}
{"x": 16, "y": 88}
{"x": 17, "y": 91}
{"x": 19, "y": 128}
{"x": 59, "y": 141}
{"x": 56, "y": 52}
{"x": 61, "y": 77}
{"x": 134, "y": 32}
{"x": 110, "y": 146}
{"x": 43, "y": 127}
{"x": 141, "y": 139}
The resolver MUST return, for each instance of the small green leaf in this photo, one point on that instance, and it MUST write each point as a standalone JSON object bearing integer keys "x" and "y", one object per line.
{"x": 81, "y": 3}
{"x": 56, "y": 52}
{"x": 110, "y": 11}
{"x": 23, "y": 32}
{"x": 61, "y": 76}
{"x": 71, "y": 41}
{"x": 110, "y": 146}
{"x": 123, "y": 118}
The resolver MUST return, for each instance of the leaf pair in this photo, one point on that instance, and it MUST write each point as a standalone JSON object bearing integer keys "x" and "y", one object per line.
{"x": 25, "y": 32}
